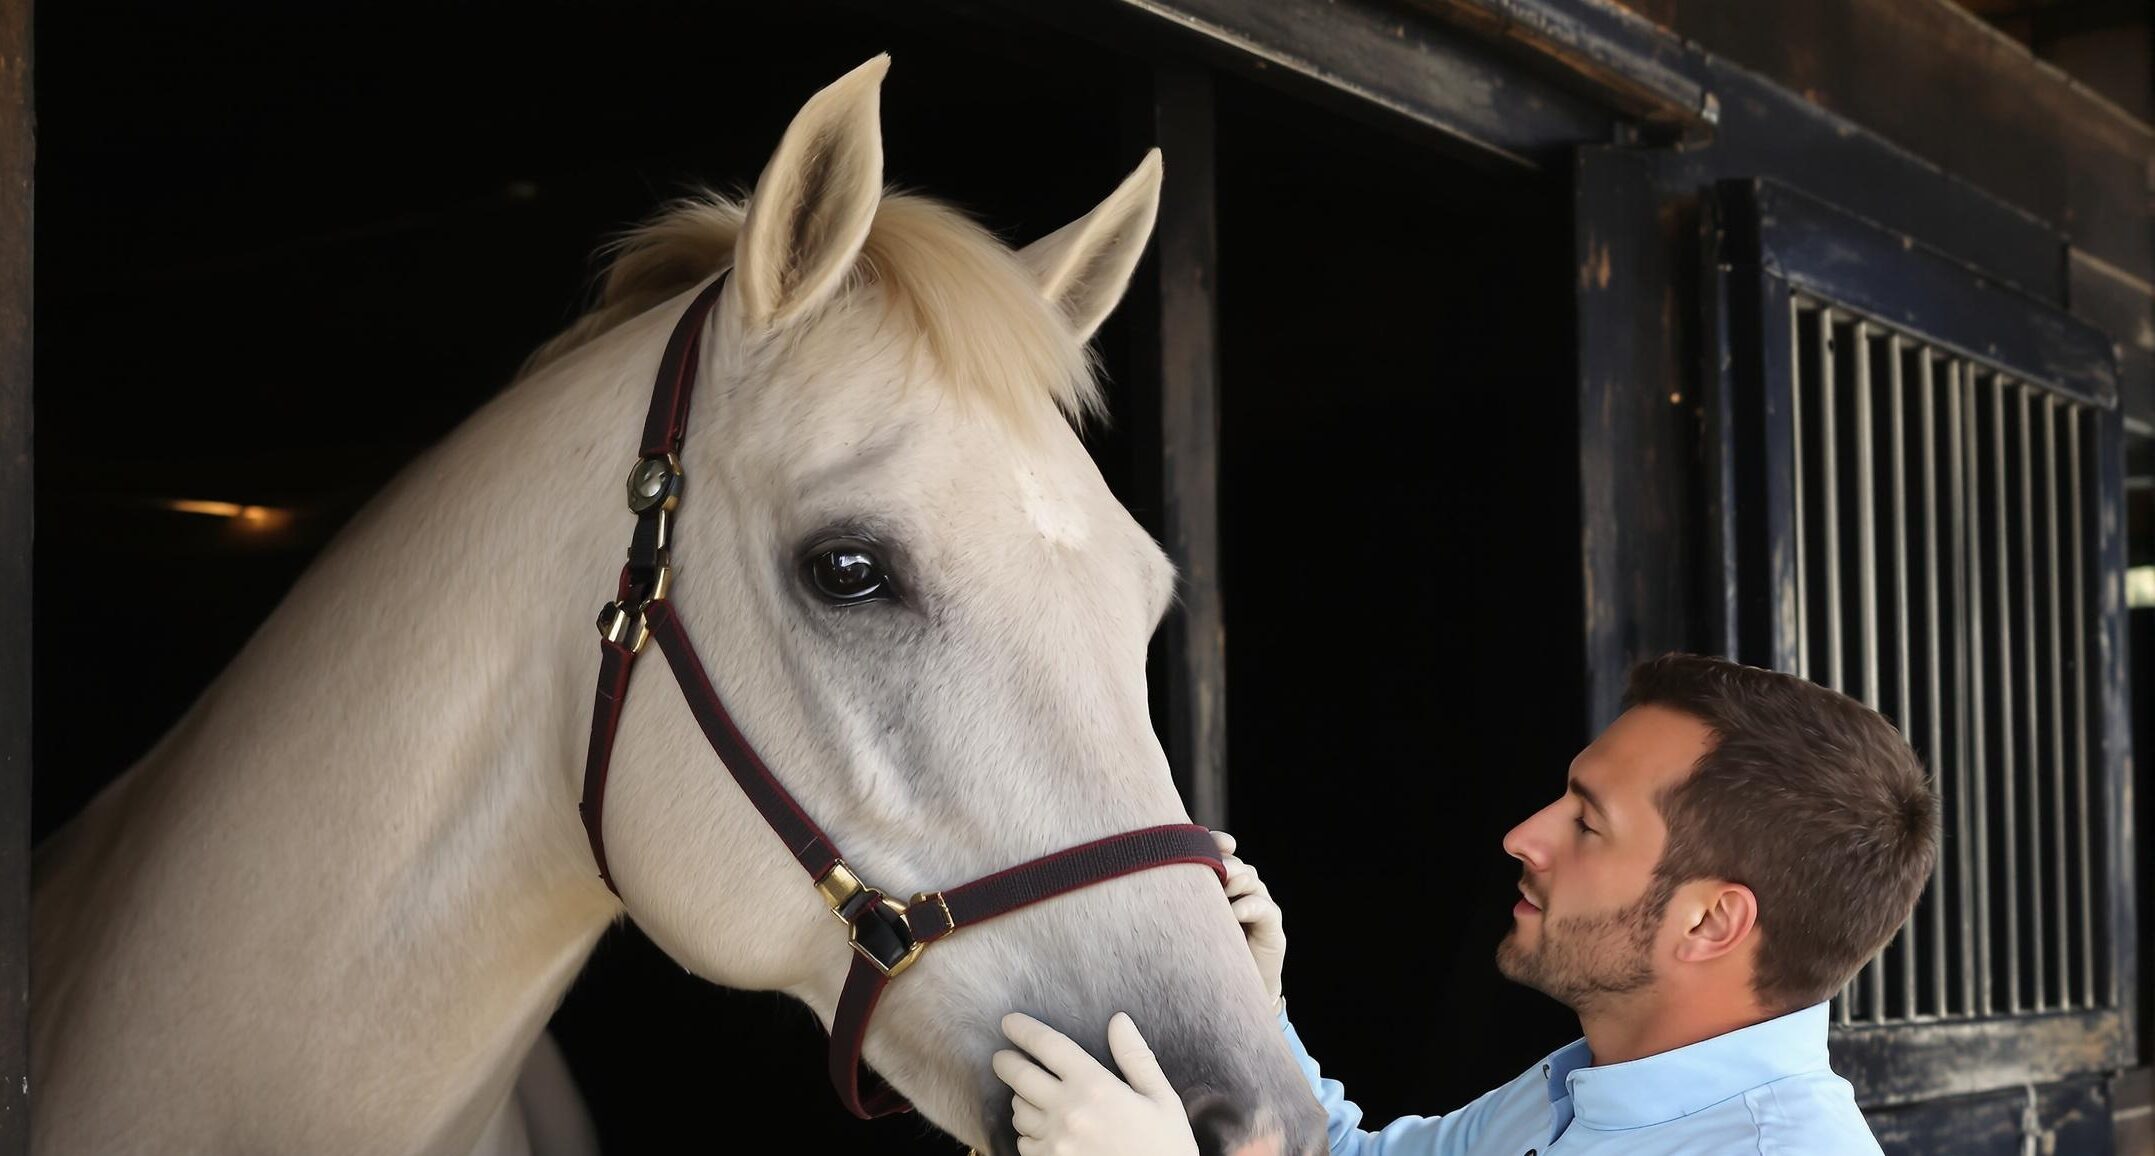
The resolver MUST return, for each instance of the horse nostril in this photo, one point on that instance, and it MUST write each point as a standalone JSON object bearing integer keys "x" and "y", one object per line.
{"x": 1223, "y": 1129}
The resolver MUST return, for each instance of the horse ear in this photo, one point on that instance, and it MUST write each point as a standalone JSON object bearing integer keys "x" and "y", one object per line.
{"x": 810, "y": 213}
{"x": 1083, "y": 267}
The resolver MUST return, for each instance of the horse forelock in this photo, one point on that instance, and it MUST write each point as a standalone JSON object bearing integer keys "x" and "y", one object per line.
{"x": 971, "y": 306}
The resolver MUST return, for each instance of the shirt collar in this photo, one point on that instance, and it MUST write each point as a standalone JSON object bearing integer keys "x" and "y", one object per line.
{"x": 1677, "y": 1083}
{"x": 1556, "y": 1071}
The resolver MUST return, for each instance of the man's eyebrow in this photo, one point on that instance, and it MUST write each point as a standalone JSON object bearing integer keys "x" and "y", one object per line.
{"x": 1592, "y": 800}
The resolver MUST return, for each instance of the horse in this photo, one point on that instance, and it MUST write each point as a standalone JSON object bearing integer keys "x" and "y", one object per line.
{"x": 331, "y": 910}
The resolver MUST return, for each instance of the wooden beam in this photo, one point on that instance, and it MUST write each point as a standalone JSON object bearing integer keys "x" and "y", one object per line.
{"x": 1611, "y": 51}
{"x": 1368, "y": 58}
{"x": 16, "y": 162}
{"x": 1903, "y": 1063}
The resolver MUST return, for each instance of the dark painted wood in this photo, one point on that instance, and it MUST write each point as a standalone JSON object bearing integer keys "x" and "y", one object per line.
{"x": 1769, "y": 132}
{"x": 2070, "y": 1119}
{"x": 1749, "y": 444}
{"x": 2114, "y": 675}
{"x": 1904, "y": 1063}
{"x": 2132, "y": 1108}
{"x": 1614, "y": 52}
{"x": 1953, "y": 91}
{"x": 1893, "y": 278}
{"x": 1958, "y": 101}
{"x": 1638, "y": 420}
{"x": 2123, "y": 306}
{"x": 1354, "y": 55}
{"x": 17, "y": 159}
{"x": 1176, "y": 360}
{"x": 1762, "y": 128}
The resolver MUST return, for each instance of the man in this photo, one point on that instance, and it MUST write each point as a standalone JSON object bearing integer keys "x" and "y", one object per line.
{"x": 1724, "y": 857}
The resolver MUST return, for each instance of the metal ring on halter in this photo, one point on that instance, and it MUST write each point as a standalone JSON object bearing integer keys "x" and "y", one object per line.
{"x": 878, "y": 927}
{"x": 655, "y": 483}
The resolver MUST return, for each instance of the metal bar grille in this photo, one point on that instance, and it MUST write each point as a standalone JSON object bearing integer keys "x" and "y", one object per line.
{"x": 1942, "y": 577}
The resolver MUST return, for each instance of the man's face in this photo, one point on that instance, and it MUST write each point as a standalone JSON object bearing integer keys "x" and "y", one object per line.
{"x": 1591, "y": 913}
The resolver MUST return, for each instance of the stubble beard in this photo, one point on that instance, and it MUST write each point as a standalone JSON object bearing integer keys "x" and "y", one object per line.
{"x": 1586, "y": 960}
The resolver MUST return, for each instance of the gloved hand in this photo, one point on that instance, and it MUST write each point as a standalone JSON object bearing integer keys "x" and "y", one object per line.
{"x": 1251, "y": 901}
{"x": 1067, "y": 1104}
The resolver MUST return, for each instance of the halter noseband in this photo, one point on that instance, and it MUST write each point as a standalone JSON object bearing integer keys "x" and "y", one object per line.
{"x": 887, "y": 935}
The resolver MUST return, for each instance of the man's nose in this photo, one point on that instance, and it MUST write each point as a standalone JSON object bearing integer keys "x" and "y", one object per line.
{"x": 1520, "y": 844}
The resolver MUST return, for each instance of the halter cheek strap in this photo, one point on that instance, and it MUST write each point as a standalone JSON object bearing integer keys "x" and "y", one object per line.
{"x": 887, "y": 935}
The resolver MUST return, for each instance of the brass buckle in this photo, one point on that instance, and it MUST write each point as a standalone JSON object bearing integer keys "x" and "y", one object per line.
{"x": 876, "y": 925}
{"x": 883, "y": 936}
{"x": 618, "y": 619}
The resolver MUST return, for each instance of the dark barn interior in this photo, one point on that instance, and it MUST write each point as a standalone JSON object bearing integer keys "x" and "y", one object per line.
{"x": 281, "y": 249}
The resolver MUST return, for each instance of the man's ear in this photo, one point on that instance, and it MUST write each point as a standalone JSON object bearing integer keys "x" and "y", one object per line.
{"x": 1720, "y": 917}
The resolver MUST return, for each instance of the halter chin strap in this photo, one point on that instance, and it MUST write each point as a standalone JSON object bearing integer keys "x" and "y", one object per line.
{"x": 887, "y": 934}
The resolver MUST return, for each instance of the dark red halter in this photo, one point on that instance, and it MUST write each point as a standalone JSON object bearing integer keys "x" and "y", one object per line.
{"x": 887, "y": 935}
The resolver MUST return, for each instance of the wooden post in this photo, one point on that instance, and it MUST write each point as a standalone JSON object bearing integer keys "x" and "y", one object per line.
{"x": 1176, "y": 362}
{"x": 1637, "y": 426}
{"x": 16, "y": 158}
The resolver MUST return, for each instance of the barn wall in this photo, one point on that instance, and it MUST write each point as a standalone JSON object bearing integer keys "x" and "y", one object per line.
{"x": 1963, "y": 96}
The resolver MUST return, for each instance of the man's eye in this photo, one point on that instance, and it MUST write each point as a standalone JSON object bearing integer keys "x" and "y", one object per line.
{"x": 1581, "y": 825}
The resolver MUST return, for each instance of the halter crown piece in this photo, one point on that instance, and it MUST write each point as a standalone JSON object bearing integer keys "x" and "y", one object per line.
{"x": 887, "y": 935}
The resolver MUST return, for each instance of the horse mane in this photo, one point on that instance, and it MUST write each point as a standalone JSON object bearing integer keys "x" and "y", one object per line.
{"x": 972, "y": 304}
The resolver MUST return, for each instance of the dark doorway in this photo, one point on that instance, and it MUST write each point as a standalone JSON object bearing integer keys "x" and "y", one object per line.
{"x": 1401, "y": 560}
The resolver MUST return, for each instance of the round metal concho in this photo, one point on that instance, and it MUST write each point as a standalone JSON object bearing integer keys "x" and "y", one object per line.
{"x": 654, "y": 483}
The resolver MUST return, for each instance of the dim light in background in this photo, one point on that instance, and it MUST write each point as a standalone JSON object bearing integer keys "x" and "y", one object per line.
{"x": 255, "y": 518}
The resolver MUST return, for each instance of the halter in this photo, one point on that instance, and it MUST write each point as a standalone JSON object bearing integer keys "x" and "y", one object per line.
{"x": 887, "y": 935}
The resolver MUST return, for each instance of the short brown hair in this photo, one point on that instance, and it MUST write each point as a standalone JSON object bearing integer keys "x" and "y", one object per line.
{"x": 1809, "y": 798}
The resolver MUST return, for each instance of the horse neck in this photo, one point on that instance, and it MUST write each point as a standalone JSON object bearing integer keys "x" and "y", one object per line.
{"x": 364, "y": 834}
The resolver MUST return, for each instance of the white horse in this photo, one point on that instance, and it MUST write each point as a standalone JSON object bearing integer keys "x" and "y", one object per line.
{"x": 332, "y": 910}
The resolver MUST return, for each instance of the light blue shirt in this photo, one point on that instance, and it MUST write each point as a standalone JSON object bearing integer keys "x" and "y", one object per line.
{"x": 1764, "y": 1090}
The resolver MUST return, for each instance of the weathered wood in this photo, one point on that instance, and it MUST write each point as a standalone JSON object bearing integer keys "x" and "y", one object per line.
{"x": 2113, "y": 671}
{"x": 1359, "y": 55}
{"x": 17, "y": 156}
{"x": 1750, "y": 443}
{"x": 2132, "y": 1106}
{"x": 1616, "y": 53}
{"x": 1767, "y": 131}
{"x": 1188, "y": 272}
{"x": 1891, "y": 278}
{"x": 1955, "y": 92}
{"x": 1637, "y": 425}
{"x": 2042, "y": 157}
{"x": 2074, "y": 1115}
{"x": 1899, "y": 1064}
{"x": 1177, "y": 367}
{"x": 2122, "y": 305}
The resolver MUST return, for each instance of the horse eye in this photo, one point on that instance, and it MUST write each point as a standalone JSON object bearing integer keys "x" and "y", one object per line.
{"x": 848, "y": 574}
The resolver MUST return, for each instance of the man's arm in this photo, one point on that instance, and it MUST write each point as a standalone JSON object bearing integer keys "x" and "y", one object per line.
{"x": 1451, "y": 1134}
{"x": 1262, "y": 925}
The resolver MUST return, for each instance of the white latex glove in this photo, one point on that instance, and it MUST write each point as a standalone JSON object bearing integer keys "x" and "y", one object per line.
{"x": 1251, "y": 901}
{"x": 1067, "y": 1104}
